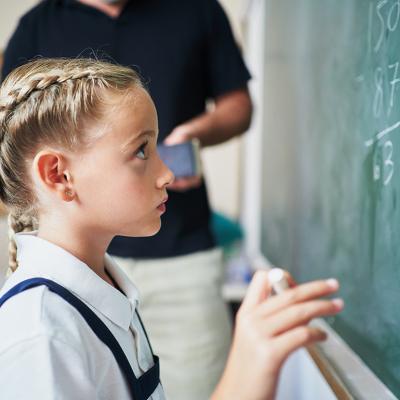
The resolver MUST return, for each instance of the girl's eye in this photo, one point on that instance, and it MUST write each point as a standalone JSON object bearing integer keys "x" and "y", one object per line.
{"x": 141, "y": 152}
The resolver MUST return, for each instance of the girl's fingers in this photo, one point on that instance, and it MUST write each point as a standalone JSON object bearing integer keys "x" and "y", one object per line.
{"x": 298, "y": 294}
{"x": 289, "y": 278}
{"x": 288, "y": 342}
{"x": 258, "y": 290}
{"x": 300, "y": 314}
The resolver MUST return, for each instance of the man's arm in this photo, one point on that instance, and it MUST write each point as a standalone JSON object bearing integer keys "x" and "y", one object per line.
{"x": 230, "y": 117}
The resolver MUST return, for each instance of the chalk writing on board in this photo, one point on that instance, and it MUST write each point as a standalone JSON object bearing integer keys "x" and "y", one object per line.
{"x": 383, "y": 18}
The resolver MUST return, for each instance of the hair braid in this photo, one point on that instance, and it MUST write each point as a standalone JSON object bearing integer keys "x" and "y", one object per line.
{"x": 18, "y": 94}
{"x": 17, "y": 223}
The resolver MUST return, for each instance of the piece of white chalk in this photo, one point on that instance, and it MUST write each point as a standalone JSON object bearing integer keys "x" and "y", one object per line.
{"x": 278, "y": 281}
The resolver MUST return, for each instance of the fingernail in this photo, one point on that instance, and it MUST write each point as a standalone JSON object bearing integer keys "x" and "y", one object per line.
{"x": 333, "y": 283}
{"x": 338, "y": 303}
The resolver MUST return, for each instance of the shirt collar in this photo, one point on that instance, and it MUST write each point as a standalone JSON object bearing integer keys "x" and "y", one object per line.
{"x": 39, "y": 257}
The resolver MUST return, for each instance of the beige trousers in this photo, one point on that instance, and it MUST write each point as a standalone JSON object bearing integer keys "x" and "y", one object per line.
{"x": 186, "y": 319}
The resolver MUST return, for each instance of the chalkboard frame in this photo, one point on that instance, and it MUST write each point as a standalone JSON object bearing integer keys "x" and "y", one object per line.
{"x": 343, "y": 368}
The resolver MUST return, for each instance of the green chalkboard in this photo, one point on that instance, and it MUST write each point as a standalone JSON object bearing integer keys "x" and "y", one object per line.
{"x": 331, "y": 161}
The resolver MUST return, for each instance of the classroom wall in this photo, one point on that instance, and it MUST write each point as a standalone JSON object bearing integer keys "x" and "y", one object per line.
{"x": 222, "y": 163}
{"x": 10, "y": 11}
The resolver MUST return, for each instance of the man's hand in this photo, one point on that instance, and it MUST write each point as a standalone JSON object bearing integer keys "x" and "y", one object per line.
{"x": 184, "y": 184}
{"x": 180, "y": 135}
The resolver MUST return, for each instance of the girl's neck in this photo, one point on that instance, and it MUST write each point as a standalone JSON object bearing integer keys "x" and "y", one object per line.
{"x": 84, "y": 245}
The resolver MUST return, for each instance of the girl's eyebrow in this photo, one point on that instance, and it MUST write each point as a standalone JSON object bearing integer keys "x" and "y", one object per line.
{"x": 135, "y": 138}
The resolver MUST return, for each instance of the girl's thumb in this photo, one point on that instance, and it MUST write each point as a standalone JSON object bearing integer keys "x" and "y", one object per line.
{"x": 259, "y": 289}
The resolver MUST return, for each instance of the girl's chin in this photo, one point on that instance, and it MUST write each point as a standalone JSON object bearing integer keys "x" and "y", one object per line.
{"x": 149, "y": 231}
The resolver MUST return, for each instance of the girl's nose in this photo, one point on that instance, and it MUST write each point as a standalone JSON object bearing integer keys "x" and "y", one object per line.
{"x": 166, "y": 177}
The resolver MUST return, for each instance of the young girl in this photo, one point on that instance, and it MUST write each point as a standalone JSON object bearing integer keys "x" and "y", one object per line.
{"x": 78, "y": 163}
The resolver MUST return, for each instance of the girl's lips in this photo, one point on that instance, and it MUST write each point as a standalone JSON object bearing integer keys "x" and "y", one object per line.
{"x": 162, "y": 207}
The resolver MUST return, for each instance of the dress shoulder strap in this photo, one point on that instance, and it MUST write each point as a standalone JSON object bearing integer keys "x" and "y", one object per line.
{"x": 140, "y": 388}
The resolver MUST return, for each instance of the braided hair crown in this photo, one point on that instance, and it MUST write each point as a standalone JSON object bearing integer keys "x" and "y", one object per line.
{"x": 38, "y": 76}
{"x": 39, "y": 82}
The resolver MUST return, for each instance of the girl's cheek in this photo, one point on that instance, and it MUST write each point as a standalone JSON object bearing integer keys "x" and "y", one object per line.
{"x": 138, "y": 167}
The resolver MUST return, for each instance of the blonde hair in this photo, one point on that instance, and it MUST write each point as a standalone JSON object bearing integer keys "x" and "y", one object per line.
{"x": 48, "y": 102}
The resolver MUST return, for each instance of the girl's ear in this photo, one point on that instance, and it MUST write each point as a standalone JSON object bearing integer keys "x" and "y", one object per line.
{"x": 50, "y": 169}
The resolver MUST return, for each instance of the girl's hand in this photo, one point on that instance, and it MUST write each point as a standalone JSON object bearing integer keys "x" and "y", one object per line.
{"x": 268, "y": 330}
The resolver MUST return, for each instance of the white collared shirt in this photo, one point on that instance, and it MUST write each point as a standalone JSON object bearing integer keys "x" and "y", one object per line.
{"x": 47, "y": 350}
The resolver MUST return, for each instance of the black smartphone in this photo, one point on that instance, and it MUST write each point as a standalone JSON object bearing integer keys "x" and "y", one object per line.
{"x": 182, "y": 159}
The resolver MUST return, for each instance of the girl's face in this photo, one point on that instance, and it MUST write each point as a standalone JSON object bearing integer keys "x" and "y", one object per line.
{"x": 120, "y": 182}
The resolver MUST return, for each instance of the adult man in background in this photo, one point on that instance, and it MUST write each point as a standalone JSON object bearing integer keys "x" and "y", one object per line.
{"x": 186, "y": 53}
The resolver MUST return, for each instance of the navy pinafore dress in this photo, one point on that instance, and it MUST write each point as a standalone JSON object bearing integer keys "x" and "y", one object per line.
{"x": 140, "y": 388}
